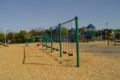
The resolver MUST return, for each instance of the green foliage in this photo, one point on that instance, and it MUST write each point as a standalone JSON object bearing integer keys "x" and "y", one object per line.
{"x": 116, "y": 30}
{"x": 10, "y": 36}
{"x": 21, "y": 37}
{"x": 82, "y": 29}
{"x": 34, "y": 33}
{"x": 2, "y": 36}
{"x": 64, "y": 31}
{"x": 24, "y": 36}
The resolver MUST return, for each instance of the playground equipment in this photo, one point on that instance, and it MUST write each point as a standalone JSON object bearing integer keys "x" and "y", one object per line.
{"x": 107, "y": 34}
{"x": 64, "y": 38}
{"x": 116, "y": 38}
{"x": 33, "y": 38}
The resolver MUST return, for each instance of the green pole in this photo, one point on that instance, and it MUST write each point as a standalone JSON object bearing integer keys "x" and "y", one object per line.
{"x": 77, "y": 42}
{"x": 60, "y": 39}
{"x": 46, "y": 39}
{"x": 108, "y": 37}
{"x": 42, "y": 39}
{"x": 51, "y": 39}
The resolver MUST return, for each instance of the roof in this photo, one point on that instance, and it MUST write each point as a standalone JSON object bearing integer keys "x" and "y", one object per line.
{"x": 91, "y": 26}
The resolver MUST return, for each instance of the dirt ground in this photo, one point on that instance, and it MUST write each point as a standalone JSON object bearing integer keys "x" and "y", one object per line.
{"x": 97, "y": 62}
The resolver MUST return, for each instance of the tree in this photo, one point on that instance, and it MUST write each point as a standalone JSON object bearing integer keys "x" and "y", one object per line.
{"x": 64, "y": 31}
{"x": 21, "y": 37}
{"x": 82, "y": 29}
{"x": 2, "y": 37}
{"x": 34, "y": 32}
{"x": 10, "y": 37}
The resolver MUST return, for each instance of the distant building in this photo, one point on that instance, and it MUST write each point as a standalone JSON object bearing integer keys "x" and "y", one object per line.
{"x": 90, "y": 27}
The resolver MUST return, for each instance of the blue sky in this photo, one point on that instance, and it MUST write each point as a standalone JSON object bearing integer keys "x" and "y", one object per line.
{"x": 27, "y": 14}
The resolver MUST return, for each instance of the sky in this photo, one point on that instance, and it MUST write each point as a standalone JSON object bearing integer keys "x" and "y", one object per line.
{"x": 19, "y": 15}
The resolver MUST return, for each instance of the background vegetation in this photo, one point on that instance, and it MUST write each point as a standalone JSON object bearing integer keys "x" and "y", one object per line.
{"x": 30, "y": 36}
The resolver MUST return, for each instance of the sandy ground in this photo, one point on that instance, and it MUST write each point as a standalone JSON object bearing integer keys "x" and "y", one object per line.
{"x": 98, "y": 62}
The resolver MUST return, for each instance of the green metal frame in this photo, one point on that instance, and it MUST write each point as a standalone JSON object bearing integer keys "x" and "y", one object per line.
{"x": 44, "y": 39}
{"x": 60, "y": 42}
{"x": 51, "y": 39}
{"x": 77, "y": 42}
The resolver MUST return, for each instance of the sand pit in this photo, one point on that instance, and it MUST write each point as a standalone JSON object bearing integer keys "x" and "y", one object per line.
{"x": 39, "y": 65}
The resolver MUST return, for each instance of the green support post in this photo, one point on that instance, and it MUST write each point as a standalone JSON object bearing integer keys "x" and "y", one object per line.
{"x": 108, "y": 37}
{"x": 46, "y": 39}
{"x": 42, "y": 39}
{"x": 60, "y": 39}
{"x": 77, "y": 42}
{"x": 51, "y": 37}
